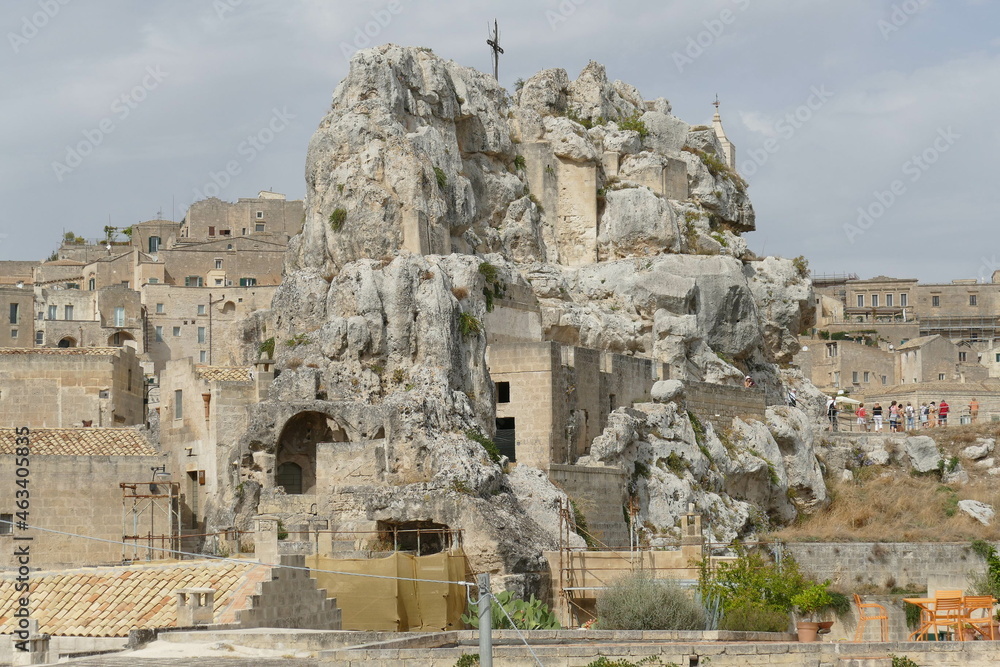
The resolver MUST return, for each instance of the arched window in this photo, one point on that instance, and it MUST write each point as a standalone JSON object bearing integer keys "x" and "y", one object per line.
{"x": 289, "y": 476}
{"x": 68, "y": 341}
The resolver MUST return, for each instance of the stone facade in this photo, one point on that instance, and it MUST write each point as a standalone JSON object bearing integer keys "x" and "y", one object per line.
{"x": 267, "y": 216}
{"x": 844, "y": 364}
{"x": 719, "y": 404}
{"x": 51, "y": 387}
{"x": 17, "y": 311}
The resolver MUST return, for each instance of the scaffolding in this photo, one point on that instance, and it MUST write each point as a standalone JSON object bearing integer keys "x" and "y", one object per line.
{"x": 961, "y": 328}
{"x": 151, "y": 520}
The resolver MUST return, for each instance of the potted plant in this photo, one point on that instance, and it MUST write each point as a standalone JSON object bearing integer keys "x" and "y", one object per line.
{"x": 809, "y": 601}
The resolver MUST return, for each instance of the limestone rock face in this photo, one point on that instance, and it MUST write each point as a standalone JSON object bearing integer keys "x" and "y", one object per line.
{"x": 591, "y": 216}
{"x": 981, "y": 512}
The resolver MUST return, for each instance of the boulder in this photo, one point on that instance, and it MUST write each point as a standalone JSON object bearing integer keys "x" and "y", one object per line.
{"x": 922, "y": 452}
{"x": 665, "y": 391}
{"x": 981, "y": 512}
{"x": 982, "y": 448}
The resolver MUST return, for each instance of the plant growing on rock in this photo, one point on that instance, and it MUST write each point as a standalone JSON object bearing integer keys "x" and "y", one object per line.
{"x": 440, "y": 177}
{"x": 298, "y": 339}
{"x": 634, "y": 123}
{"x": 267, "y": 348}
{"x": 491, "y": 447}
{"x": 337, "y": 219}
{"x": 469, "y": 324}
{"x": 519, "y": 163}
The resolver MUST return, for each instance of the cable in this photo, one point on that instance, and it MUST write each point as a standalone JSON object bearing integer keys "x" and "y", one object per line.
{"x": 517, "y": 630}
{"x": 237, "y": 560}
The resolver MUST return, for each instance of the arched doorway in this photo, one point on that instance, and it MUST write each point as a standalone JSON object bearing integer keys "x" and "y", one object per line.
{"x": 120, "y": 339}
{"x": 67, "y": 341}
{"x": 295, "y": 456}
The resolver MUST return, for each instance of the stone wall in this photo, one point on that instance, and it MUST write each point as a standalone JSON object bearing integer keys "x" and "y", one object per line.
{"x": 290, "y": 599}
{"x": 903, "y": 565}
{"x": 75, "y": 494}
{"x": 55, "y": 388}
{"x": 718, "y": 403}
{"x": 600, "y": 494}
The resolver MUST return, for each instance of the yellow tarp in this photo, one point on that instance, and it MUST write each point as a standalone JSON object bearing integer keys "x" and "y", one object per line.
{"x": 370, "y": 603}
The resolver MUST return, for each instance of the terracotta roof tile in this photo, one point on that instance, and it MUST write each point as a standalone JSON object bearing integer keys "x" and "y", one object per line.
{"x": 81, "y": 442}
{"x": 224, "y": 373}
{"x": 108, "y": 602}
{"x": 64, "y": 351}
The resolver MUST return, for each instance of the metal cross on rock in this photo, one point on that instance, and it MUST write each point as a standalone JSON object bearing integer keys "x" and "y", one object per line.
{"x": 494, "y": 43}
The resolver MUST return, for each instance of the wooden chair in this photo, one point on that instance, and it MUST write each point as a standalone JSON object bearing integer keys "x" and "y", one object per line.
{"x": 881, "y": 616}
{"x": 949, "y": 612}
{"x": 983, "y": 603}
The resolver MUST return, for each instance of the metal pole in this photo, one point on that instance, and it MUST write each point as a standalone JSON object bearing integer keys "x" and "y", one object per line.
{"x": 485, "y": 621}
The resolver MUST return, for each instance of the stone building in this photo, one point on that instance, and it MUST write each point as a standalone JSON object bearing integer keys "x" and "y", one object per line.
{"x": 832, "y": 365}
{"x": 75, "y": 488}
{"x": 53, "y": 387}
{"x": 268, "y": 216}
{"x": 107, "y": 317}
{"x": 17, "y": 311}
{"x": 935, "y": 358}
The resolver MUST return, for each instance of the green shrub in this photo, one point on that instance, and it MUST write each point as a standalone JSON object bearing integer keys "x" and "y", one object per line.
{"x": 468, "y": 660}
{"x": 634, "y": 122}
{"x": 902, "y": 661}
{"x": 651, "y": 660}
{"x": 751, "y": 580}
{"x": 581, "y": 527}
{"x": 267, "y": 348}
{"x": 754, "y": 618}
{"x": 441, "y": 177}
{"x": 469, "y": 324}
{"x": 530, "y": 614}
{"x": 801, "y": 265}
{"x": 519, "y": 162}
{"x": 337, "y": 219}
{"x": 639, "y": 602}
{"x": 491, "y": 447}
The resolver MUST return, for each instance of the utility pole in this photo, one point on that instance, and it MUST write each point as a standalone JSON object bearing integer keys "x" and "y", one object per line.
{"x": 494, "y": 44}
{"x": 485, "y": 621}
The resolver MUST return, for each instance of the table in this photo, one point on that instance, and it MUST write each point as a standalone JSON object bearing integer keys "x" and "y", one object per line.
{"x": 926, "y": 615}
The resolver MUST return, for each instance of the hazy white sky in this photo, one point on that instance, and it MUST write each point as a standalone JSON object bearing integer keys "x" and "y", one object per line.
{"x": 865, "y": 127}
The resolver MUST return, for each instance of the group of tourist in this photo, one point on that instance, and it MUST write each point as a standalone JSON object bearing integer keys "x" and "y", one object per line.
{"x": 900, "y": 418}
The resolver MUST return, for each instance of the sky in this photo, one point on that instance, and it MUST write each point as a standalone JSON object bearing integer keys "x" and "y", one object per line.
{"x": 864, "y": 127}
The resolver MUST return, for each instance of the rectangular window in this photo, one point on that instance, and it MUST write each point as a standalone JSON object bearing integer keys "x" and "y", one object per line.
{"x": 201, "y": 309}
{"x": 154, "y": 281}
{"x": 854, "y": 377}
{"x": 902, "y": 300}
{"x": 506, "y": 440}
{"x": 259, "y": 227}
{"x": 14, "y": 313}
{"x": 998, "y": 358}
{"x": 13, "y": 333}
{"x": 861, "y": 301}
{"x": 248, "y": 282}
{"x": 260, "y": 215}
{"x": 194, "y": 281}
{"x": 961, "y": 356}
{"x": 159, "y": 334}
{"x": 885, "y": 380}
{"x": 177, "y": 331}
{"x": 154, "y": 244}
{"x": 874, "y": 300}
{"x": 39, "y": 337}
{"x": 831, "y": 349}
{"x": 888, "y": 300}
{"x": 178, "y": 404}
{"x": 218, "y": 281}
{"x": 940, "y": 376}
{"x": 53, "y": 312}
{"x": 225, "y": 232}
{"x": 936, "y": 301}
{"x": 67, "y": 312}
{"x": 868, "y": 376}
{"x": 211, "y": 231}
{"x": 159, "y": 309}
{"x": 119, "y": 316}
{"x": 972, "y": 299}
{"x": 202, "y": 356}
{"x": 6, "y": 524}
{"x": 503, "y": 392}
{"x": 201, "y": 334}
{"x": 218, "y": 263}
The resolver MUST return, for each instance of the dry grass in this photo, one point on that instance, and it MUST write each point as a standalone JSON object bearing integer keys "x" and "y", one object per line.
{"x": 897, "y": 508}
{"x": 460, "y": 292}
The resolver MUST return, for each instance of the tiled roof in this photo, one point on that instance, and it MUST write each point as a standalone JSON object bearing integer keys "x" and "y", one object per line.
{"x": 917, "y": 342}
{"x": 108, "y": 602}
{"x": 81, "y": 442}
{"x": 64, "y": 351}
{"x": 224, "y": 373}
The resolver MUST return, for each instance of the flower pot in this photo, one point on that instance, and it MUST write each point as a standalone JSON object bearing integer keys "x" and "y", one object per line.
{"x": 824, "y": 627}
{"x": 807, "y": 630}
